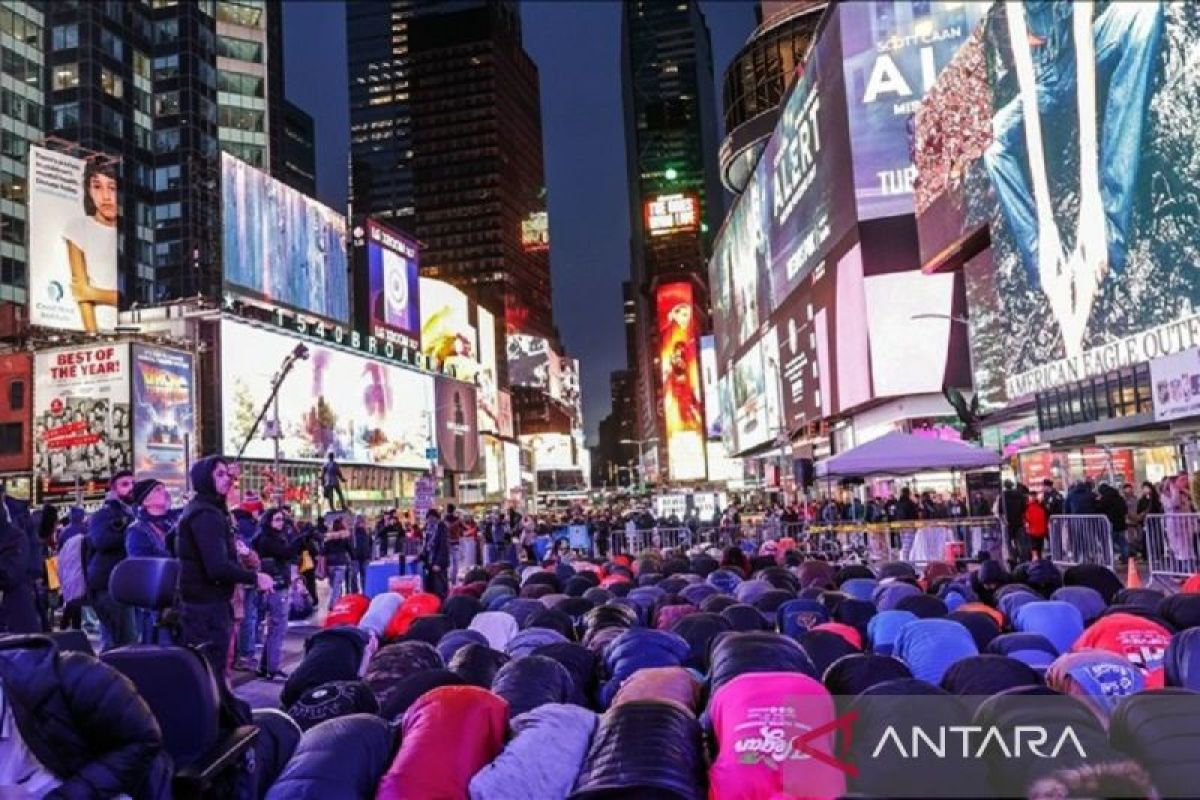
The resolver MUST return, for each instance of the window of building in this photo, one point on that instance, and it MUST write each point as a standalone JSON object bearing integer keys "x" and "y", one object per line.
{"x": 144, "y": 214}
{"x": 241, "y": 49}
{"x": 113, "y": 86}
{"x": 237, "y": 83}
{"x": 19, "y": 67}
{"x": 166, "y": 141}
{"x": 165, "y": 213}
{"x": 110, "y": 44}
{"x": 166, "y": 67}
{"x": 16, "y": 395}
{"x": 65, "y": 115}
{"x": 19, "y": 27}
{"x": 207, "y": 73}
{"x": 248, "y": 13}
{"x": 112, "y": 121}
{"x": 66, "y": 76}
{"x": 141, "y": 64}
{"x": 13, "y": 230}
{"x": 166, "y": 104}
{"x": 242, "y": 119}
{"x": 11, "y": 436}
{"x": 166, "y": 31}
{"x": 65, "y": 37}
{"x": 166, "y": 178}
{"x": 12, "y": 145}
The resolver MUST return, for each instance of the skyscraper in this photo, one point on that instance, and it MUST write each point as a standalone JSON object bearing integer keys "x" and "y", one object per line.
{"x": 22, "y": 100}
{"x": 675, "y": 197}
{"x": 299, "y": 150}
{"x": 164, "y": 87}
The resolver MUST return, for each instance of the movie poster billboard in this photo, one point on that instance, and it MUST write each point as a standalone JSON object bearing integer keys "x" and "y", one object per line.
{"x": 81, "y": 420}
{"x": 281, "y": 246}
{"x": 393, "y": 269}
{"x": 892, "y": 51}
{"x": 1092, "y": 241}
{"x": 362, "y": 410}
{"x": 679, "y": 358}
{"x": 708, "y": 379}
{"x": 74, "y": 208}
{"x": 457, "y": 425}
{"x": 487, "y": 379}
{"x": 164, "y": 423}
{"x": 447, "y": 335}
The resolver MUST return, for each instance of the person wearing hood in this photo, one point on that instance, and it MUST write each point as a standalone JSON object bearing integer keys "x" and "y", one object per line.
{"x": 148, "y": 537}
{"x": 106, "y": 541}
{"x": 1113, "y": 506}
{"x": 278, "y": 553}
{"x": 209, "y": 570}
{"x": 435, "y": 554}
{"x": 18, "y": 606}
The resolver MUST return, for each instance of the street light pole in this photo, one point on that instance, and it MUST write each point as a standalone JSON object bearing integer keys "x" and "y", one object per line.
{"x": 641, "y": 457}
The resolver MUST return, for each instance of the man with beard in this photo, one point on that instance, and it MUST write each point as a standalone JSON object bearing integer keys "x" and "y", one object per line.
{"x": 106, "y": 541}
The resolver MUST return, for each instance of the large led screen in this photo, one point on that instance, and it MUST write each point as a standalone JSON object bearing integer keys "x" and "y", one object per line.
{"x": 164, "y": 418}
{"x": 892, "y": 51}
{"x": 529, "y": 361}
{"x": 1096, "y": 233}
{"x": 679, "y": 359}
{"x": 363, "y": 411}
{"x": 708, "y": 380}
{"x": 73, "y": 209}
{"x": 81, "y": 420}
{"x": 447, "y": 334}
{"x": 487, "y": 378}
{"x": 457, "y": 427}
{"x": 392, "y": 285}
{"x": 280, "y": 245}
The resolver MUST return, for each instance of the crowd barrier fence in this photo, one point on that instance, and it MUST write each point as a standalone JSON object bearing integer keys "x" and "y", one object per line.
{"x": 1080, "y": 539}
{"x": 1172, "y": 544}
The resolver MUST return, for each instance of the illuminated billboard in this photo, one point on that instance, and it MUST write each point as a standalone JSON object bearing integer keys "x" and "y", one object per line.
{"x": 672, "y": 213}
{"x": 81, "y": 420}
{"x": 392, "y": 286}
{"x": 892, "y": 51}
{"x": 74, "y": 209}
{"x": 457, "y": 428}
{"x": 447, "y": 335}
{"x": 164, "y": 418}
{"x": 708, "y": 379}
{"x": 281, "y": 246}
{"x": 679, "y": 359}
{"x": 529, "y": 361}
{"x": 361, "y": 410}
{"x": 1093, "y": 247}
{"x": 487, "y": 379}
{"x": 748, "y": 401}
{"x": 535, "y": 232}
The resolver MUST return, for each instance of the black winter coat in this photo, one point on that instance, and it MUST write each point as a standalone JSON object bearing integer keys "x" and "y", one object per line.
{"x": 644, "y": 745}
{"x": 277, "y": 554}
{"x": 106, "y": 537}
{"x": 18, "y": 613}
{"x": 84, "y": 721}
{"x": 338, "y": 551}
{"x": 208, "y": 563}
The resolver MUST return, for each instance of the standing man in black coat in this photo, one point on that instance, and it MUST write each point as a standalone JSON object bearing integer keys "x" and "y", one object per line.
{"x": 435, "y": 554}
{"x": 208, "y": 563}
{"x": 18, "y": 609}
{"x": 106, "y": 540}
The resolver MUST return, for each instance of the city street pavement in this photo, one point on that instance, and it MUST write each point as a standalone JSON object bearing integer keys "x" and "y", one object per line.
{"x": 265, "y": 694}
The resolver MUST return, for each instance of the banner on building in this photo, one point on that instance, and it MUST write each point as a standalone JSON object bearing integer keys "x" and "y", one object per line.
{"x": 1175, "y": 381}
{"x": 393, "y": 286}
{"x": 679, "y": 357}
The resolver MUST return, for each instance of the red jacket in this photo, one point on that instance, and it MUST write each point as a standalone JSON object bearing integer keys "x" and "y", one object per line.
{"x": 1037, "y": 521}
{"x": 449, "y": 734}
{"x": 1141, "y": 641}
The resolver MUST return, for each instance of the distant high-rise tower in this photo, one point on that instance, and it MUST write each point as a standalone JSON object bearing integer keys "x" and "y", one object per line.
{"x": 446, "y": 144}
{"x": 676, "y": 201}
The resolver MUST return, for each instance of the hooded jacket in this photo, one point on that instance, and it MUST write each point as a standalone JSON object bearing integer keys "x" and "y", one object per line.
{"x": 84, "y": 721}
{"x": 532, "y": 681}
{"x": 1102, "y": 679}
{"x": 477, "y": 664}
{"x": 18, "y": 613}
{"x": 1088, "y": 601}
{"x": 1059, "y": 622}
{"x": 851, "y": 675}
{"x": 276, "y": 551}
{"x": 932, "y": 646}
{"x": 76, "y": 525}
{"x": 636, "y": 649}
{"x": 449, "y": 735}
{"x": 735, "y": 654}
{"x": 208, "y": 563}
{"x": 1029, "y": 648}
{"x": 323, "y": 766}
{"x": 329, "y": 655}
{"x": 106, "y": 540}
{"x": 1162, "y": 731}
{"x": 523, "y": 770}
{"x": 884, "y": 628}
{"x": 1140, "y": 641}
{"x": 497, "y": 627}
{"x": 1182, "y": 661}
{"x": 393, "y": 663}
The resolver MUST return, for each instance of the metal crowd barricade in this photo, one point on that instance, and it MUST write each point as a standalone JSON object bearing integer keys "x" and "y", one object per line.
{"x": 1172, "y": 545}
{"x": 1081, "y": 539}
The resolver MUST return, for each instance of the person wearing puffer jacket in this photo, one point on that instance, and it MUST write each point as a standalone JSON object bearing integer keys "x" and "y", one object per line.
{"x": 523, "y": 771}
{"x": 71, "y": 572}
{"x": 638, "y": 648}
{"x": 324, "y": 767}
{"x": 931, "y": 646}
{"x": 448, "y": 735}
{"x": 73, "y": 727}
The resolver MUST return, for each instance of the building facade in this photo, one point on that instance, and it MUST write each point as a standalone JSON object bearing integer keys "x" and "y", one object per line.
{"x": 299, "y": 150}
{"x": 22, "y": 102}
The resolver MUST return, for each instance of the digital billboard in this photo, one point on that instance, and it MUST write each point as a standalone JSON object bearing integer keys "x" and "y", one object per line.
{"x": 164, "y": 421}
{"x": 487, "y": 379}
{"x": 280, "y": 245}
{"x": 363, "y": 411}
{"x": 81, "y": 420}
{"x": 708, "y": 380}
{"x": 679, "y": 359}
{"x": 447, "y": 335}
{"x": 1092, "y": 241}
{"x": 552, "y": 450}
{"x": 535, "y": 232}
{"x": 529, "y": 361}
{"x": 74, "y": 208}
{"x": 748, "y": 398}
{"x": 892, "y": 51}
{"x": 457, "y": 426}
{"x": 392, "y": 286}
{"x": 672, "y": 213}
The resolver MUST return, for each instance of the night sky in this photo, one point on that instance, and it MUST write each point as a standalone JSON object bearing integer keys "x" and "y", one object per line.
{"x": 576, "y": 46}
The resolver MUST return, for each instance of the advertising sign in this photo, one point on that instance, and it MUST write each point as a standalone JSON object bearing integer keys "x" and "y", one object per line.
{"x": 457, "y": 426}
{"x": 679, "y": 358}
{"x": 892, "y": 51}
{"x": 708, "y": 379}
{"x": 749, "y": 401}
{"x": 447, "y": 335}
{"x": 163, "y": 415}
{"x": 487, "y": 379}
{"x": 535, "y": 232}
{"x": 529, "y": 361}
{"x": 551, "y": 450}
{"x": 362, "y": 410}
{"x": 672, "y": 213}
{"x": 392, "y": 272}
{"x": 1176, "y": 385}
{"x": 73, "y": 213}
{"x": 424, "y": 497}
{"x": 280, "y": 245}
{"x": 81, "y": 414}
{"x": 1092, "y": 246}
{"x": 1097, "y": 464}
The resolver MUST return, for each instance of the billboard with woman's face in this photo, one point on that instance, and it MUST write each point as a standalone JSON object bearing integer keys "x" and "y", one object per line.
{"x": 73, "y": 213}
{"x": 683, "y": 404}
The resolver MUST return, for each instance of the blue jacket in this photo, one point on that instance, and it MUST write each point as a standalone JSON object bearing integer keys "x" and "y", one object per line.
{"x": 147, "y": 537}
{"x": 523, "y": 770}
{"x": 106, "y": 536}
{"x": 324, "y": 766}
{"x": 639, "y": 648}
{"x": 77, "y": 525}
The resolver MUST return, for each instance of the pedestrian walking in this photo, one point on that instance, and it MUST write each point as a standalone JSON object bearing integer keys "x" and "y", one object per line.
{"x": 278, "y": 553}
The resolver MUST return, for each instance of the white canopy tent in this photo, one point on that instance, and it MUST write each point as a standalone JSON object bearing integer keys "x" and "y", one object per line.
{"x": 904, "y": 454}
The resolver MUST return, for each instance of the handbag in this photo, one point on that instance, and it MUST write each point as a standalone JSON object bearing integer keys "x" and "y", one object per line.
{"x": 52, "y": 581}
{"x": 306, "y": 562}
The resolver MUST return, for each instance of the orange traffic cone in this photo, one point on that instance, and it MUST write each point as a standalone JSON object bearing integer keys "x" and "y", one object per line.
{"x": 1133, "y": 579}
